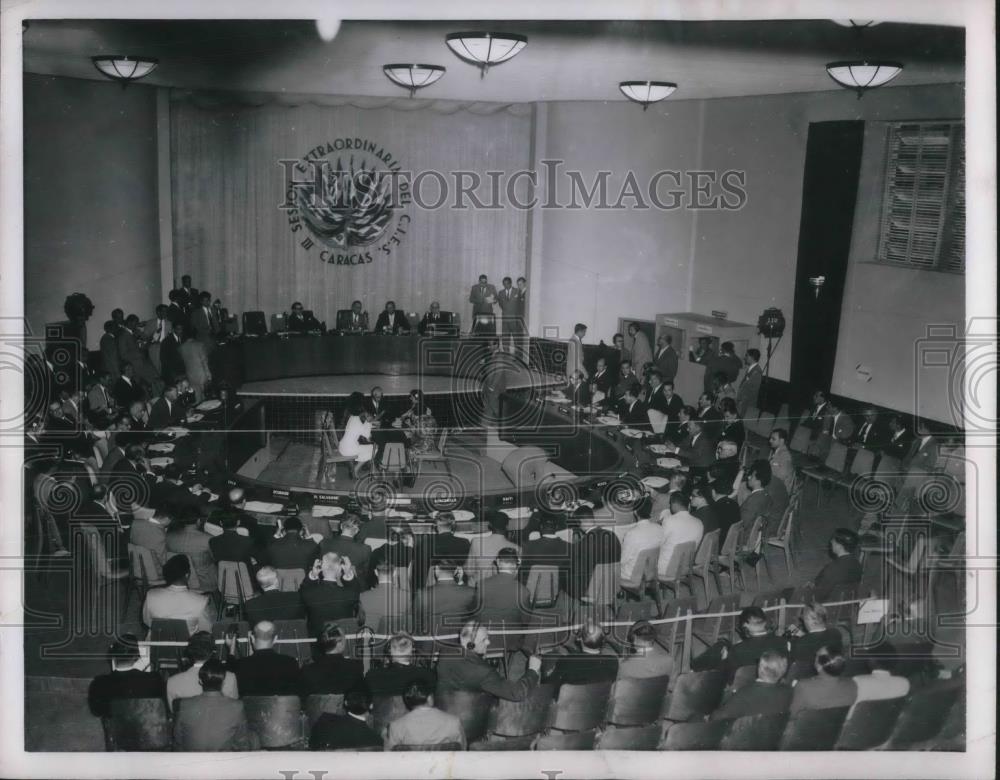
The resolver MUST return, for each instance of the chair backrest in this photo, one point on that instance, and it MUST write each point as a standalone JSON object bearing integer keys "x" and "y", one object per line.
{"x": 869, "y": 724}
{"x": 814, "y": 729}
{"x": 319, "y": 703}
{"x": 470, "y": 707}
{"x": 543, "y": 585}
{"x": 139, "y": 724}
{"x": 579, "y": 707}
{"x": 754, "y": 732}
{"x": 221, "y": 627}
{"x": 603, "y": 588}
{"x": 636, "y": 702}
{"x": 644, "y": 569}
{"x": 699, "y": 735}
{"x": 522, "y": 718}
{"x": 924, "y": 715}
{"x": 864, "y": 462}
{"x": 142, "y": 565}
{"x": 695, "y": 695}
{"x": 888, "y": 464}
{"x": 577, "y": 740}
{"x": 290, "y": 630}
{"x": 276, "y": 719}
{"x": 234, "y": 582}
{"x": 730, "y": 544}
{"x": 167, "y": 630}
{"x": 785, "y": 527}
{"x": 800, "y": 439}
{"x": 752, "y": 541}
{"x": 708, "y": 550}
{"x": 631, "y": 611}
{"x": 743, "y": 677}
{"x": 254, "y": 323}
{"x": 393, "y": 456}
{"x": 836, "y": 458}
{"x": 750, "y": 416}
{"x": 629, "y": 738}
{"x": 711, "y": 629}
{"x": 671, "y": 634}
{"x": 679, "y": 565}
{"x": 290, "y": 579}
{"x": 658, "y": 420}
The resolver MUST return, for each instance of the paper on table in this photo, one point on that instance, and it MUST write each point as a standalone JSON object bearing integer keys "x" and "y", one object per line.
{"x": 668, "y": 463}
{"x": 264, "y": 507}
{"x": 207, "y": 406}
{"x": 327, "y": 511}
{"x": 161, "y": 447}
{"x": 872, "y": 610}
{"x": 655, "y": 482}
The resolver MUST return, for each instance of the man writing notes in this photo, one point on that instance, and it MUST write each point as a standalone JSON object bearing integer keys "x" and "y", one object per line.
{"x": 482, "y": 297}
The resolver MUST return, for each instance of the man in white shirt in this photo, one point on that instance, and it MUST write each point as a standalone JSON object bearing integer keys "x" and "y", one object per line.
{"x": 641, "y": 536}
{"x": 679, "y": 526}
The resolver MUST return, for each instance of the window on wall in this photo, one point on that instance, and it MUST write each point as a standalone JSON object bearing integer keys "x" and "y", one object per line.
{"x": 923, "y": 205}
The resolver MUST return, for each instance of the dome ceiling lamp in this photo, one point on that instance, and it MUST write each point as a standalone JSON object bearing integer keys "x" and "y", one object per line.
{"x": 413, "y": 77}
{"x": 485, "y": 49}
{"x": 647, "y": 92}
{"x": 863, "y": 73}
{"x": 124, "y": 68}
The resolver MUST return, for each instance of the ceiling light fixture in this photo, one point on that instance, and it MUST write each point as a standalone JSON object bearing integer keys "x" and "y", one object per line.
{"x": 485, "y": 48}
{"x": 647, "y": 92}
{"x": 862, "y": 75}
{"x": 413, "y": 77}
{"x": 124, "y": 68}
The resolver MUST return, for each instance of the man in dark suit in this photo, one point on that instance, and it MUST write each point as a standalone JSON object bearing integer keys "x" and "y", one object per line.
{"x": 213, "y": 721}
{"x": 109, "y": 350}
{"x": 632, "y": 411}
{"x": 127, "y": 680}
{"x": 732, "y": 425}
{"x": 603, "y": 380}
{"x": 129, "y": 351}
{"x": 177, "y": 311}
{"x": 767, "y": 695}
{"x": 624, "y": 378}
{"x": 186, "y": 295}
{"x": 300, "y": 321}
{"x": 127, "y": 388}
{"x": 445, "y": 603}
{"x": 171, "y": 361}
{"x": 503, "y": 600}
{"x": 598, "y": 546}
{"x": 441, "y": 546}
{"x": 749, "y": 389}
{"x": 167, "y": 410}
{"x": 469, "y": 671}
{"x": 665, "y": 358}
{"x": 434, "y": 320}
{"x": 376, "y": 406}
{"x": 725, "y": 509}
{"x": 577, "y": 390}
{"x": 332, "y": 672}
{"x": 293, "y": 549}
{"x": 871, "y": 435}
{"x": 349, "y": 731}
{"x": 401, "y": 673}
{"x": 204, "y": 325}
{"x": 272, "y": 603}
{"x": 900, "y": 440}
{"x": 353, "y": 321}
{"x": 232, "y": 546}
{"x": 266, "y": 672}
{"x": 392, "y": 321}
{"x": 697, "y": 449}
{"x": 709, "y": 415}
{"x": 758, "y": 502}
{"x": 346, "y": 546}
{"x": 547, "y": 550}
{"x": 483, "y": 296}
{"x": 511, "y": 311}
{"x": 592, "y": 661}
{"x": 844, "y": 570}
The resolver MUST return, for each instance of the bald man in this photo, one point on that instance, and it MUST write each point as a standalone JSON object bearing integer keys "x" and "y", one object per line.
{"x": 267, "y": 672}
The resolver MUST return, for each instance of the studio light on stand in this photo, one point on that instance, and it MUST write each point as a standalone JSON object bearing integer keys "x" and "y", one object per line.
{"x": 770, "y": 325}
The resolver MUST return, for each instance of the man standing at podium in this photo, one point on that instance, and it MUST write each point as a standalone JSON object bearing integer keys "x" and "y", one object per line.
{"x": 482, "y": 297}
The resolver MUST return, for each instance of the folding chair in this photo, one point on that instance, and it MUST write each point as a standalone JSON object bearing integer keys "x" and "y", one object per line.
{"x": 742, "y": 677}
{"x": 554, "y": 740}
{"x": 543, "y": 585}
{"x": 386, "y": 709}
{"x": 525, "y": 718}
{"x": 234, "y": 585}
{"x": 710, "y": 629}
{"x": 138, "y": 724}
{"x": 603, "y": 587}
{"x": 832, "y": 470}
{"x": 636, "y": 702}
{"x": 643, "y": 574}
{"x": 143, "y": 571}
{"x": 678, "y": 570}
{"x": 765, "y": 424}
{"x": 294, "y": 639}
{"x": 695, "y": 695}
{"x": 699, "y": 735}
{"x": 726, "y": 560}
{"x": 753, "y": 550}
{"x": 167, "y": 630}
{"x": 923, "y": 716}
{"x": 705, "y": 565}
{"x": 800, "y": 439}
{"x": 317, "y": 704}
{"x": 783, "y": 536}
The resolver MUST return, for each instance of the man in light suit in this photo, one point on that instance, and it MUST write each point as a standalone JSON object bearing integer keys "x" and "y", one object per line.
{"x": 758, "y": 502}
{"x": 175, "y": 602}
{"x": 212, "y": 721}
{"x": 195, "y": 361}
{"x": 574, "y": 351}
{"x": 781, "y": 458}
{"x": 749, "y": 389}
{"x": 482, "y": 296}
{"x": 157, "y": 329}
{"x": 666, "y": 358}
{"x": 424, "y": 724}
{"x": 640, "y": 349}
{"x": 392, "y": 321}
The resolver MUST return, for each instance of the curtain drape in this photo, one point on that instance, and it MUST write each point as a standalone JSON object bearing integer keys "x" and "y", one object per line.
{"x": 233, "y": 239}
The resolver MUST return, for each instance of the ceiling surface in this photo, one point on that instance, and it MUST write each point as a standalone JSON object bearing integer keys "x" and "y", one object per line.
{"x": 568, "y": 60}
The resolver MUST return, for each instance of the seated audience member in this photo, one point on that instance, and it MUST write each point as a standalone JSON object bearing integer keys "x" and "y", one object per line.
{"x": 291, "y": 547}
{"x": 724, "y": 507}
{"x": 590, "y": 661}
{"x": 660, "y": 497}
{"x": 679, "y": 527}
{"x": 483, "y": 548}
{"x": 392, "y": 321}
{"x": 756, "y": 637}
{"x": 185, "y": 684}
{"x": 447, "y": 602}
{"x": 870, "y": 435}
{"x": 813, "y": 634}
{"x": 632, "y": 413}
{"x": 880, "y": 682}
{"x": 126, "y": 680}
{"x": 265, "y": 672}
{"x": 829, "y": 688}
{"x": 727, "y": 465}
{"x": 167, "y": 409}
{"x": 376, "y": 406}
{"x": 101, "y": 403}
{"x": 175, "y": 602}
{"x": 710, "y": 416}
{"x": 138, "y": 417}
{"x": 845, "y": 568}
{"x": 469, "y": 670}
{"x": 646, "y": 534}
{"x": 837, "y": 426}
{"x": 424, "y": 724}
{"x": 349, "y": 731}
{"x": 332, "y": 672}
{"x": 443, "y": 545}
{"x": 401, "y": 672}
{"x": 597, "y": 546}
{"x": 767, "y": 695}
{"x": 703, "y": 508}
{"x": 272, "y": 603}
{"x": 330, "y": 592}
{"x": 185, "y": 537}
{"x": 231, "y": 545}
{"x": 697, "y": 448}
{"x": 128, "y": 388}
{"x": 433, "y": 320}
{"x": 648, "y": 657}
{"x": 549, "y": 549}
{"x": 757, "y": 501}
{"x": 151, "y": 533}
{"x": 384, "y": 601}
{"x": 300, "y": 321}
{"x": 399, "y": 552}
{"x": 781, "y": 458}
{"x": 624, "y": 379}
{"x": 234, "y": 505}
{"x": 211, "y": 721}
{"x": 577, "y": 390}
{"x": 732, "y": 425}
{"x": 503, "y": 601}
{"x": 602, "y": 381}
{"x": 345, "y": 545}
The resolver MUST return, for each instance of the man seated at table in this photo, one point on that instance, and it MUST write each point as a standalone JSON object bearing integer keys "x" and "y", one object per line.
{"x": 392, "y": 321}
{"x": 577, "y": 390}
{"x": 353, "y": 321}
{"x": 632, "y": 411}
{"x": 300, "y": 321}
{"x": 435, "y": 321}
